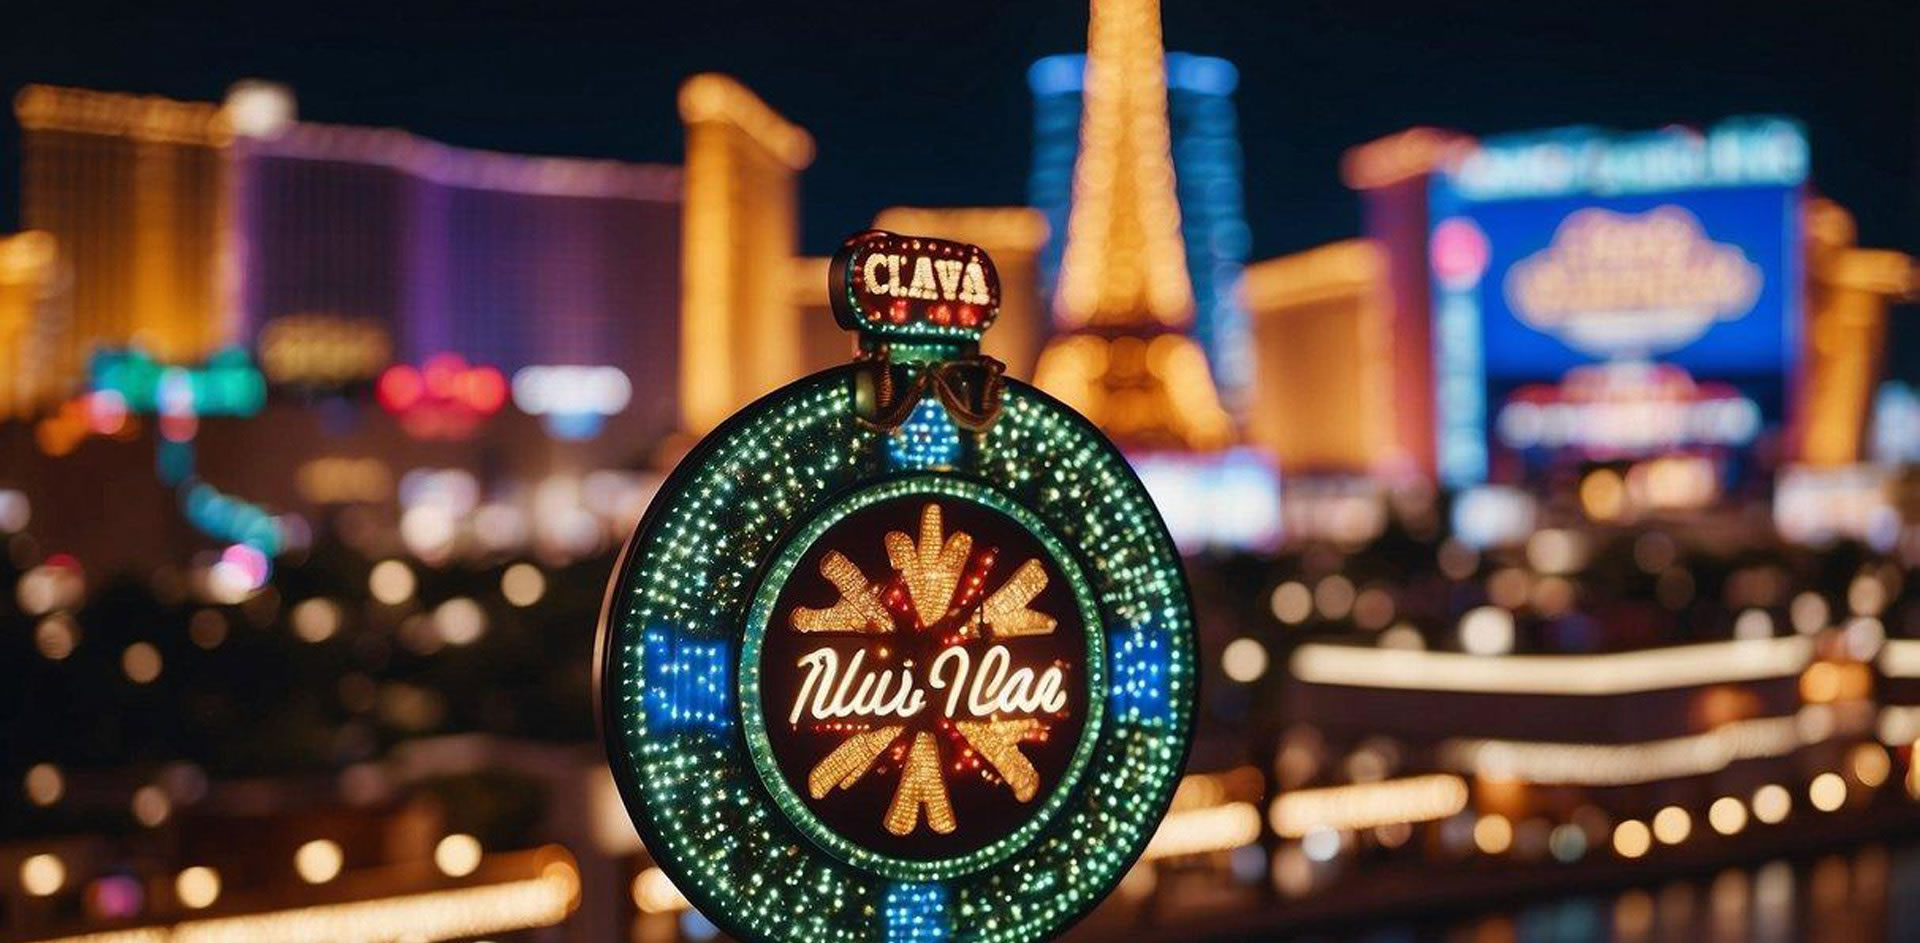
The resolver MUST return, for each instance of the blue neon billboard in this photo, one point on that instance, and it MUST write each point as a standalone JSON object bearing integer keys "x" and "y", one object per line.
{"x": 1615, "y": 295}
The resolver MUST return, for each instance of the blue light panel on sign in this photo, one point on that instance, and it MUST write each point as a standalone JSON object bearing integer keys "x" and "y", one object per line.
{"x": 691, "y": 687}
{"x": 917, "y": 913}
{"x": 1139, "y": 675}
{"x": 928, "y": 439}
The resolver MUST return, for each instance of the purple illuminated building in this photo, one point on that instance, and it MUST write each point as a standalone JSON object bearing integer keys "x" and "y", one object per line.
{"x": 506, "y": 260}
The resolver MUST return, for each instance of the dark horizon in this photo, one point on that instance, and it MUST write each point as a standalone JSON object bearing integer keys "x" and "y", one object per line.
{"x": 600, "y": 83}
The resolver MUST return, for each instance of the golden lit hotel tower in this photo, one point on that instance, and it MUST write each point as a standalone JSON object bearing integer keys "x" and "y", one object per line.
{"x": 1123, "y": 299}
{"x": 1321, "y": 322}
{"x": 133, "y": 190}
{"x": 738, "y": 335}
{"x": 1848, "y": 290}
{"x": 30, "y": 316}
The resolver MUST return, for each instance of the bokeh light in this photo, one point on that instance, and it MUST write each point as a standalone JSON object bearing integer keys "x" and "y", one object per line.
{"x": 1244, "y": 660}
{"x": 197, "y": 887}
{"x": 391, "y": 582}
{"x": 318, "y": 861}
{"x": 1827, "y": 792}
{"x": 457, "y": 855}
{"x": 1632, "y": 838}
{"x": 44, "y": 784}
{"x": 141, "y": 663}
{"x": 42, "y": 875}
{"x": 522, "y": 584}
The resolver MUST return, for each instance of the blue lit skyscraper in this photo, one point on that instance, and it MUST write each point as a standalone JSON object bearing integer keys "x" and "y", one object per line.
{"x": 1207, "y": 167}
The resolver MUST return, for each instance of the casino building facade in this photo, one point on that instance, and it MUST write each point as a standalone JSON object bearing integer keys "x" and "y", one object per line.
{"x": 1573, "y": 257}
{"x": 256, "y": 349}
{"x": 408, "y": 303}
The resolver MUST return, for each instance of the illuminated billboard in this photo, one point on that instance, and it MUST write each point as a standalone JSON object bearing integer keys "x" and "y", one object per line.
{"x": 1603, "y": 296}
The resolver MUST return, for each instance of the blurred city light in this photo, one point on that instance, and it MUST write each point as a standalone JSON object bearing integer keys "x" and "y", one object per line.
{"x": 318, "y": 861}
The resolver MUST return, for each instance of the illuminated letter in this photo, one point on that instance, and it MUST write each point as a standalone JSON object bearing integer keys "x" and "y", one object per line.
{"x": 1017, "y": 696}
{"x": 905, "y": 701}
{"x": 1049, "y": 696}
{"x": 870, "y": 272}
{"x": 959, "y": 681}
{"x": 923, "y": 285}
{"x": 949, "y": 272}
{"x": 974, "y": 290}
{"x": 988, "y": 683}
{"x": 820, "y": 664}
{"x": 911, "y": 700}
{"x": 838, "y": 707}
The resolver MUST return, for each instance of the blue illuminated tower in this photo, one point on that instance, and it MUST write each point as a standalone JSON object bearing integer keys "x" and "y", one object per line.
{"x": 1207, "y": 170}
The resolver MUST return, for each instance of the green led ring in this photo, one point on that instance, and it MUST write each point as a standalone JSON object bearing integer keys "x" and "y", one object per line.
{"x": 675, "y": 627}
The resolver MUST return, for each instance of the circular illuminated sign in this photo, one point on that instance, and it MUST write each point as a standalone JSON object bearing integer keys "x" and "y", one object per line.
{"x": 929, "y": 673}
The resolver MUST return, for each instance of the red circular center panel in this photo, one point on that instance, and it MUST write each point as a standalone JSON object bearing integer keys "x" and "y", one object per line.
{"x": 923, "y": 677}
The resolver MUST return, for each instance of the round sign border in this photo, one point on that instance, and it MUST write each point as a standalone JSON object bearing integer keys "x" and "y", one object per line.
{"x": 818, "y": 898}
{"x": 760, "y": 748}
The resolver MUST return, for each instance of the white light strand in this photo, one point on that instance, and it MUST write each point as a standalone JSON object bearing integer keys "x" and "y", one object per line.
{"x": 1592, "y": 675}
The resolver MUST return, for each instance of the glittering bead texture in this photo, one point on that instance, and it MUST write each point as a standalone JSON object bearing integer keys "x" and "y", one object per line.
{"x": 999, "y": 741}
{"x": 850, "y": 760}
{"x": 1006, "y": 612}
{"x": 859, "y": 608}
{"x": 931, "y": 568}
{"x": 921, "y": 785}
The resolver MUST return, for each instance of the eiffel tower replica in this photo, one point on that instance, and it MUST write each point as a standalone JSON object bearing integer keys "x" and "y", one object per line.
{"x": 1122, "y": 302}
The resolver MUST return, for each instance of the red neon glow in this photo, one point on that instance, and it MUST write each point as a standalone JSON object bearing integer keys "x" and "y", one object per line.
{"x": 399, "y": 388}
{"x": 443, "y": 398}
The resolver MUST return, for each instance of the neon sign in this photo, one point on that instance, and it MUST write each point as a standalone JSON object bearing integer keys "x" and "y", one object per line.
{"x": 822, "y": 700}
{"x": 1623, "y": 410}
{"x": 924, "y": 656}
{"x": 573, "y": 400}
{"x": 1739, "y": 152}
{"x": 896, "y": 638}
{"x": 1630, "y": 285}
{"x": 910, "y": 286}
{"x": 227, "y": 384}
{"x": 443, "y": 398}
{"x": 1604, "y": 294}
{"x": 1226, "y": 500}
{"x": 323, "y": 350}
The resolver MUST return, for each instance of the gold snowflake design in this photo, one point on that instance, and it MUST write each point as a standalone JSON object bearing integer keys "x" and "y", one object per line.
{"x": 933, "y": 587}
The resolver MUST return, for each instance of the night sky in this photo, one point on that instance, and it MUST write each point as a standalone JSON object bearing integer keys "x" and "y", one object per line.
{"x": 927, "y": 104}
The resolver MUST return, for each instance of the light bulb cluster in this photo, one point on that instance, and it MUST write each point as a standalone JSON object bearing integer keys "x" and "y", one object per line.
{"x": 691, "y": 681}
{"x": 928, "y": 439}
{"x": 674, "y": 639}
{"x": 916, "y": 913}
